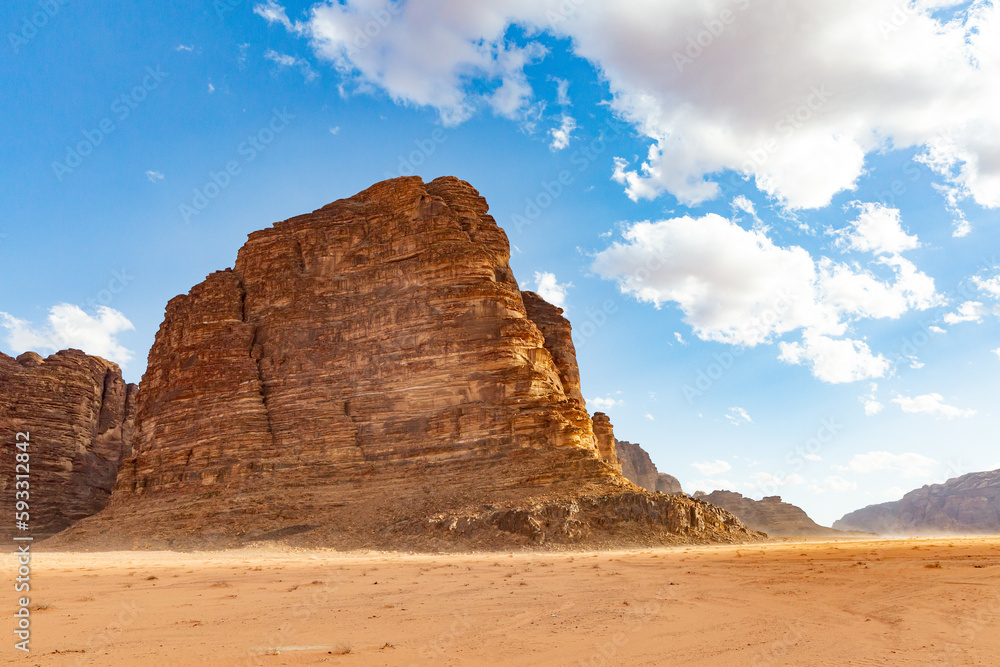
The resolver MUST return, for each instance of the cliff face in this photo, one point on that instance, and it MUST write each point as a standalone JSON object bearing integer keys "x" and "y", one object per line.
{"x": 769, "y": 515}
{"x": 79, "y": 415}
{"x": 967, "y": 504}
{"x": 360, "y": 369}
{"x": 640, "y": 469}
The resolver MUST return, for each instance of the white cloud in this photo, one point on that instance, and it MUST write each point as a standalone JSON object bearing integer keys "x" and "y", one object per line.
{"x": 893, "y": 492}
{"x": 561, "y": 135}
{"x": 650, "y": 417}
{"x": 931, "y": 404}
{"x": 812, "y": 457}
{"x": 872, "y": 405}
{"x": 832, "y": 483}
{"x": 605, "y": 403}
{"x": 273, "y": 13}
{"x": 989, "y": 286}
{"x": 997, "y": 351}
{"x": 736, "y": 286}
{"x": 211, "y": 88}
{"x": 285, "y": 60}
{"x": 182, "y": 47}
{"x": 679, "y": 338}
{"x": 970, "y": 311}
{"x": 335, "y": 130}
{"x": 909, "y": 464}
{"x": 741, "y": 203}
{"x": 70, "y": 327}
{"x": 551, "y": 289}
{"x": 154, "y": 176}
{"x": 835, "y": 361}
{"x": 562, "y": 92}
{"x": 760, "y": 94}
{"x": 738, "y": 416}
{"x": 712, "y": 468}
{"x": 937, "y": 330}
{"x": 878, "y": 229}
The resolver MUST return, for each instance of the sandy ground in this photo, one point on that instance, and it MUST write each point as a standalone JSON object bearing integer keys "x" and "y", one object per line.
{"x": 866, "y": 602}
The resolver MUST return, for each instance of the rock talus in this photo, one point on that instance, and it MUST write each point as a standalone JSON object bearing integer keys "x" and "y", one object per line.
{"x": 360, "y": 370}
{"x": 79, "y": 416}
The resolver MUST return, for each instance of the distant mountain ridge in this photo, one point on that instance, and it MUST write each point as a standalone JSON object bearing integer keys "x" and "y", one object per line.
{"x": 770, "y": 515}
{"x": 966, "y": 504}
{"x": 639, "y": 469}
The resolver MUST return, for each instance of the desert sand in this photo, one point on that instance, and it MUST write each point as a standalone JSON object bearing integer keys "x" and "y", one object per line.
{"x": 852, "y": 602}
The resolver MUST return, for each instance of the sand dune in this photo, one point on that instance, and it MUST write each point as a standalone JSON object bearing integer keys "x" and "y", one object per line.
{"x": 861, "y": 602}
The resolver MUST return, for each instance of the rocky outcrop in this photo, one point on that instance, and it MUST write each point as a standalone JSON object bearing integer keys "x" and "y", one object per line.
{"x": 639, "y": 468}
{"x": 969, "y": 504}
{"x": 360, "y": 369}
{"x": 770, "y": 514}
{"x": 78, "y": 414}
{"x": 605, "y": 434}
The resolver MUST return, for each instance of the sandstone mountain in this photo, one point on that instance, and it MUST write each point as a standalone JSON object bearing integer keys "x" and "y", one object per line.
{"x": 78, "y": 414}
{"x": 371, "y": 375}
{"x": 967, "y": 504}
{"x": 769, "y": 515}
{"x": 640, "y": 469}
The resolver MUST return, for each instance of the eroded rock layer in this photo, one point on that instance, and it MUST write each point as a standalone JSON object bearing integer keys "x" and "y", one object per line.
{"x": 969, "y": 504}
{"x": 78, "y": 414}
{"x": 638, "y": 467}
{"x": 360, "y": 369}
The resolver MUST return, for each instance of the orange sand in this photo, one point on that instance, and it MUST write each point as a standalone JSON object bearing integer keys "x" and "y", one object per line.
{"x": 863, "y": 602}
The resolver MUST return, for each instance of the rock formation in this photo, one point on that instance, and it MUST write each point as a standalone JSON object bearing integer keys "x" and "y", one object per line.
{"x": 969, "y": 504}
{"x": 369, "y": 374}
{"x": 78, "y": 413}
{"x": 640, "y": 469}
{"x": 769, "y": 515}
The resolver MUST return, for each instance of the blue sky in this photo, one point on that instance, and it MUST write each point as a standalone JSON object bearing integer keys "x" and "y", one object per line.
{"x": 822, "y": 323}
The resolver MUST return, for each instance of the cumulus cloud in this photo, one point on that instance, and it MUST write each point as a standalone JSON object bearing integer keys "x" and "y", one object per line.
{"x": 738, "y": 416}
{"x": 877, "y": 229}
{"x": 712, "y": 468}
{"x": 988, "y": 286}
{"x": 69, "y": 326}
{"x": 970, "y": 311}
{"x": 551, "y": 289}
{"x": 737, "y": 286}
{"x": 909, "y": 464}
{"x": 561, "y": 135}
{"x": 872, "y": 405}
{"x": 931, "y": 404}
{"x": 713, "y": 86}
{"x": 604, "y": 403}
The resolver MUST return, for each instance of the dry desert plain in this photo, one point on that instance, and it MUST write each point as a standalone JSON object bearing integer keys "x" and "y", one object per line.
{"x": 857, "y": 602}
